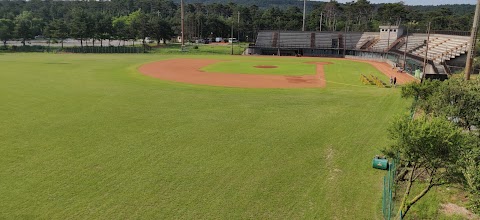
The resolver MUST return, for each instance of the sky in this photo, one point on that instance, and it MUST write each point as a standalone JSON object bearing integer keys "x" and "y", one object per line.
{"x": 418, "y": 2}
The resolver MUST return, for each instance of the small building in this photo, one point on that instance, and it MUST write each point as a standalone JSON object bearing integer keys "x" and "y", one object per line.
{"x": 390, "y": 32}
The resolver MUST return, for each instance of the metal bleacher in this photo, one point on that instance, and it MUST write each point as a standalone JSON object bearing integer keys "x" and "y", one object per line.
{"x": 414, "y": 41}
{"x": 324, "y": 39}
{"x": 441, "y": 47}
{"x": 265, "y": 39}
{"x": 295, "y": 39}
{"x": 355, "y": 41}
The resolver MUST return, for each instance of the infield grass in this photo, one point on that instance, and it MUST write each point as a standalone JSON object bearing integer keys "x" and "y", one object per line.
{"x": 250, "y": 66}
{"x": 88, "y": 137}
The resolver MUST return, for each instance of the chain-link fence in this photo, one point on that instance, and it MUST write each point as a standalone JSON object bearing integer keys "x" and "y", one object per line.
{"x": 85, "y": 49}
{"x": 120, "y": 49}
{"x": 389, "y": 188}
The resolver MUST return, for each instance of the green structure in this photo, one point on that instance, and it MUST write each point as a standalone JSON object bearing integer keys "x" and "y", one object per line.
{"x": 380, "y": 163}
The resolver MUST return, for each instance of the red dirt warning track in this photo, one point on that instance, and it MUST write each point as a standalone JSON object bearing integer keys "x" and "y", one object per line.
{"x": 386, "y": 69}
{"x": 188, "y": 71}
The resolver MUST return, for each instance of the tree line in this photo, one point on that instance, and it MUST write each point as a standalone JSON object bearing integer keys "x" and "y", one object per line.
{"x": 160, "y": 19}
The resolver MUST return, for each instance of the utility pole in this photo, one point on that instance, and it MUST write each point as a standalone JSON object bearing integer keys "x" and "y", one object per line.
{"x": 304, "y": 12}
{"x": 334, "y": 22}
{"x": 473, "y": 41}
{"x": 321, "y": 21}
{"x": 426, "y": 52}
{"x": 231, "y": 35}
{"x": 389, "y": 31}
{"x": 405, "y": 53}
{"x": 278, "y": 39}
{"x": 345, "y": 40}
{"x": 238, "y": 29}
{"x": 183, "y": 25}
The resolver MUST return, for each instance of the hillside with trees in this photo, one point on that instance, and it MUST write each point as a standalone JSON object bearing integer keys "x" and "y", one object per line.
{"x": 160, "y": 19}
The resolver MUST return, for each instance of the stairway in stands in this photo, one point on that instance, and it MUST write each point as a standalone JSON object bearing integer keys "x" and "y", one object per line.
{"x": 275, "y": 39}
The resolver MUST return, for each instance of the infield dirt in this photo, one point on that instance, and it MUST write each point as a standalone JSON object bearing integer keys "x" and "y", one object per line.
{"x": 188, "y": 71}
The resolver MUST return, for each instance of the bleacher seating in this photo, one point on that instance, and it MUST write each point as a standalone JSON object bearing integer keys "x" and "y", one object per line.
{"x": 381, "y": 45}
{"x": 414, "y": 41}
{"x": 367, "y": 37}
{"x": 443, "y": 47}
{"x": 352, "y": 39}
{"x": 295, "y": 39}
{"x": 265, "y": 39}
{"x": 324, "y": 39}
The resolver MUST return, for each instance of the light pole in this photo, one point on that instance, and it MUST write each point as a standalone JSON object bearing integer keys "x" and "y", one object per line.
{"x": 321, "y": 20}
{"x": 473, "y": 40}
{"x": 388, "y": 40}
{"x": 238, "y": 29}
{"x": 278, "y": 39}
{"x": 304, "y": 12}
{"x": 405, "y": 52}
{"x": 426, "y": 52}
{"x": 231, "y": 36}
{"x": 183, "y": 25}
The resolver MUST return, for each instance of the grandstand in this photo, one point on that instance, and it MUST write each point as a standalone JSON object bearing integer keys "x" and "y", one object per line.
{"x": 443, "y": 47}
{"x": 389, "y": 43}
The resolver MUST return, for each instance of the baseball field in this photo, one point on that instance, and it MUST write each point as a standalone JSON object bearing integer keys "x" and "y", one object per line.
{"x": 131, "y": 137}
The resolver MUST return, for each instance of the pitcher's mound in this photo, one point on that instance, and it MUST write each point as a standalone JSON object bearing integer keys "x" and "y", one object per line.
{"x": 266, "y": 67}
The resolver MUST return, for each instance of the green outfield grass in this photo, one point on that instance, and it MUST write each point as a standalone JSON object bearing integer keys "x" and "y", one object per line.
{"x": 88, "y": 137}
{"x": 199, "y": 49}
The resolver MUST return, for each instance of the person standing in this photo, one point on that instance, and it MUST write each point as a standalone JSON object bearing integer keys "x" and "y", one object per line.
{"x": 394, "y": 81}
{"x": 391, "y": 81}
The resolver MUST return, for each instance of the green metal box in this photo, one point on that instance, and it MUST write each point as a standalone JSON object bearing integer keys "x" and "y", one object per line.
{"x": 380, "y": 163}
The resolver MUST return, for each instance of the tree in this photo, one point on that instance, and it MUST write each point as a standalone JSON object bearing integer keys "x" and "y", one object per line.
{"x": 421, "y": 92}
{"x": 360, "y": 14}
{"x": 428, "y": 148}
{"x": 331, "y": 13}
{"x": 78, "y": 24}
{"x": 48, "y": 33}
{"x": 120, "y": 28}
{"x": 102, "y": 27}
{"x": 392, "y": 13}
{"x": 160, "y": 29}
{"x": 140, "y": 25}
{"x": 440, "y": 18}
{"x": 24, "y": 26}
{"x": 456, "y": 99}
{"x": 470, "y": 167}
{"x": 294, "y": 21}
{"x": 459, "y": 100}
{"x": 59, "y": 29}
{"x": 6, "y": 30}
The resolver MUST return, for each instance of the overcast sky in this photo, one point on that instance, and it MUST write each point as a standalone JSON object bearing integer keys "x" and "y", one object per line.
{"x": 418, "y": 2}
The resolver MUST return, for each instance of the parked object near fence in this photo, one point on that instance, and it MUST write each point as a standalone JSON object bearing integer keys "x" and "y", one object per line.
{"x": 380, "y": 162}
